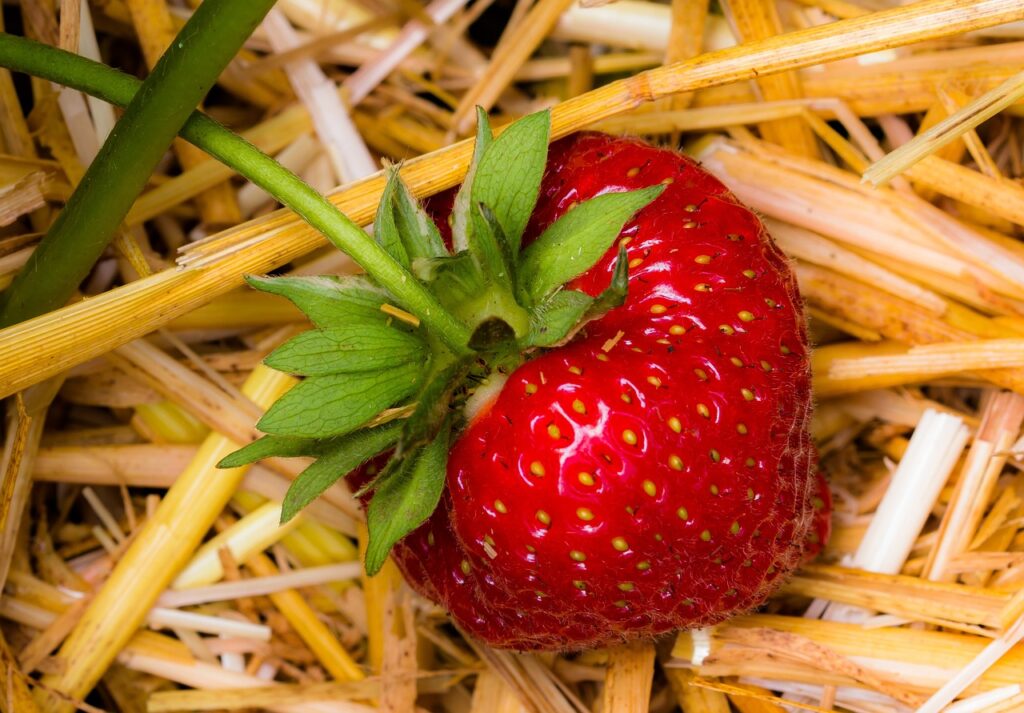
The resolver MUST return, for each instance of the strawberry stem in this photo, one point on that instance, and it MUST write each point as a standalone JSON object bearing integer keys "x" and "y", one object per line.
{"x": 40, "y": 60}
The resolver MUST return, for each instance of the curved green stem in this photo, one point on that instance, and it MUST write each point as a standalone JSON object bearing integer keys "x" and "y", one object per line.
{"x": 22, "y": 55}
{"x": 182, "y": 77}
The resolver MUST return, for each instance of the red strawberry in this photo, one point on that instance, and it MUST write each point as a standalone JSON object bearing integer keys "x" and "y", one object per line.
{"x": 639, "y": 459}
{"x": 655, "y": 473}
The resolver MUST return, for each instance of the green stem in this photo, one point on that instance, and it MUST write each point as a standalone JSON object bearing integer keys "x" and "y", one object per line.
{"x": 181, "y": 78}
{"x": 22, "y": 55}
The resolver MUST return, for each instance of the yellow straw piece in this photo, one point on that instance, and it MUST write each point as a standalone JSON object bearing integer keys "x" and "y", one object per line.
{"x": 252, "y": 534}
{"x": 159, "y": 551}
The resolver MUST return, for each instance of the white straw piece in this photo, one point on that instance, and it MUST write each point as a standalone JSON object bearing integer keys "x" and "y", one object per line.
{"x": 634, "y": 24}
{"x": 103, "y": 117}
{"x": 975, "y": 669}
{"x": 933, "y": 451}
{"x": 162, "y": 618}
{"x": 349, "y": 155}
{"x": 370, "y": 74}
{"x": 931, "y": 456}
{"x": 978, "y": 703}
{"x": 260, "y": 586}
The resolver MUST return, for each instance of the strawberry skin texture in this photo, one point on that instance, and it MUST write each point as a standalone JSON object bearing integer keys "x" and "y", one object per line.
{"x": 657, "y": 472}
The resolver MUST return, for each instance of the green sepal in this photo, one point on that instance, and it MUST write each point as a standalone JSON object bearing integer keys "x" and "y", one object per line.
{"x": 271, "y": 447}
{"x": 356, "y": 347}
{"x": 328, "y": 301}
{"x": 577, "y": 240}
{"x": 404, "y": 498}
{"x": 559, "y": 317}
{"x": 432, "y": 405}
{"x": 455, "y": 280}
{"x": 385, "y": 230}
{"x": 325, "y": 406}
{"x": 615, "y": 294}
{"x": 462, "y": 208}
{"x": 420, "y": 236}
{"x": 337, "y": 458}
{"x": 507, "y": 178}
{"x": 554, "y": 319}
{"x": 489, "y": 248}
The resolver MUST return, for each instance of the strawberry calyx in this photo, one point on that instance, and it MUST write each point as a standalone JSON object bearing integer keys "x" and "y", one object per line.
{"x": 377, "y": 380}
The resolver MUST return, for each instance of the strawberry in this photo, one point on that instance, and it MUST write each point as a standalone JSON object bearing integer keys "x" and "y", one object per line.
{"x": 614, "y": 457}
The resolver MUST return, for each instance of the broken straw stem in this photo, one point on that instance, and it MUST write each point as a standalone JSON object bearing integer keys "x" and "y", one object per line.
{"x": 981, "y": 109}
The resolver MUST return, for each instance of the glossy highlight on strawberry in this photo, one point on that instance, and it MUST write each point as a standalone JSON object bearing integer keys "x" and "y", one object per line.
{"x": 655, "y": 473}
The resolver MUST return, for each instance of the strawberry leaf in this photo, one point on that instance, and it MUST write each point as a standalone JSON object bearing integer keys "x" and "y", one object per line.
{"x": 577, "y": 240}
{"x": 328, "y": 301}
{"x": 385, "y": 230}
{"x": 338, "y": 458}
{"x": 555, "y": 318}
{"x": 323, "y": 406}
{"x": 418, "y": 232}
{"x": 507, "y": 179}
{"x": 362, "y": 347}
{"x": 269, "y": 447}
{"x": 462, "y": 209}
{"x": 404, "y": 498}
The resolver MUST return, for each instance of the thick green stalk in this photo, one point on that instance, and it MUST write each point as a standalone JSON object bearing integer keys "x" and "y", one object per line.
{"x": 111, "y": 85}
{"x": 182, "y": 77}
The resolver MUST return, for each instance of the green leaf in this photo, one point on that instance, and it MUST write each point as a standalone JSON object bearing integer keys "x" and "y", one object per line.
{"x": 404, "y": 499}
{"x": 432, "y": 405}
{"x": 338, "y": 458}
{"x": 577, "y": 240}
{"x": 418, "y": 232}
{"x": 385, "y": 231}
{"x": 462, "y": 208}
{"x": 323, "y": 406}
{"x": 362, "y": 347}
{"x": 269, "y": 447}
{"x": 328, "y": 301}
{"x": 507, "y": 179}
{"x": 555, "y": 318}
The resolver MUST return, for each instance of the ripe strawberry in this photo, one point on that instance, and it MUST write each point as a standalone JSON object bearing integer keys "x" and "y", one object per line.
{"x": 641, "y": 465}
{"x": 656, "y": 472}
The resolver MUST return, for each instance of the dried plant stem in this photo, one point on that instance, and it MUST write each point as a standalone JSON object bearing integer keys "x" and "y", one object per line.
{"x": 321, "y": 641}
{"x": 759, "y": 20}
{"x": 40, "y": 347}
{"x": 514, "y": 50}
{"x": 627, "y": 685}
{"x": 15, "y": 696}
